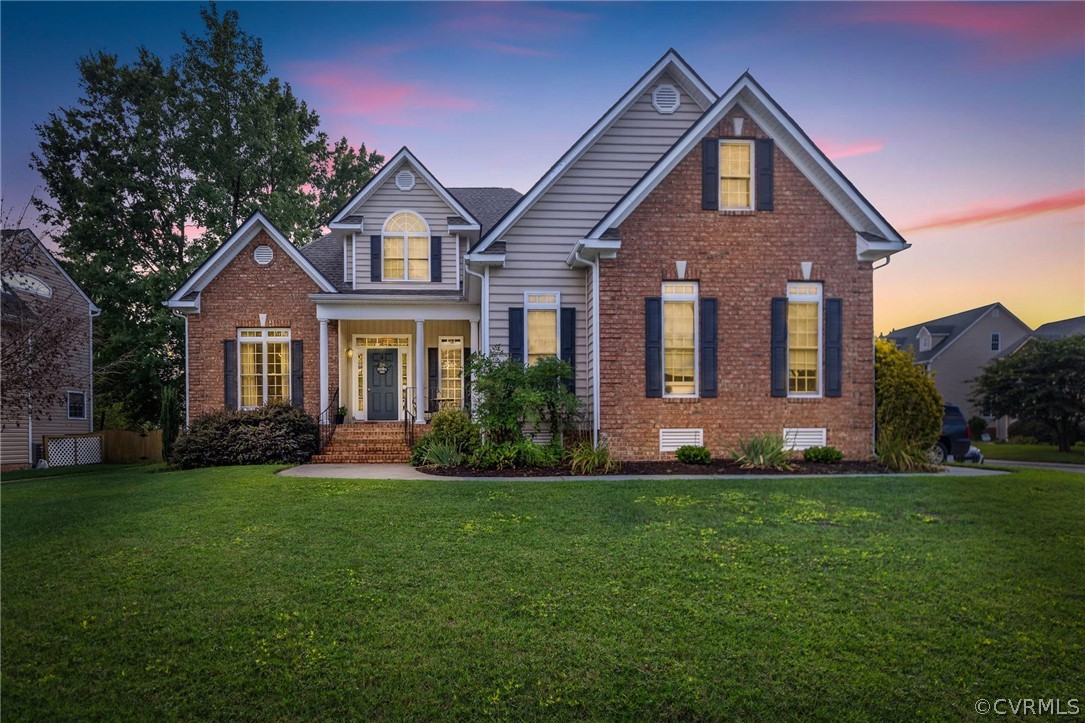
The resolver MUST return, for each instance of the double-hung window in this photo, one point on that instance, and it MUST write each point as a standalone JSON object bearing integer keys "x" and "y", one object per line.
{"x": 680, "y": 339}
{"x": 736, "y": 175}
{"x": 77, "y": 405}
{"x": 804, "y": 338}
{"x": 541, "y": 325}
{"x": 265, "y": 366}
{"x": 996, "y": 341}
{"x": 406, "y": 248}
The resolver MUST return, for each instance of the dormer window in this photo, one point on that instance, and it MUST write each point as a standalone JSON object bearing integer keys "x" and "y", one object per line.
{"x": 406, "y": 246}
{"x": 924, "y": 340}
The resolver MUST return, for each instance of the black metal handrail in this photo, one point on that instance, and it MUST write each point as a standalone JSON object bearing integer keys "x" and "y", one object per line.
{"x": 409, "y": 415}
{"x": 327, "y": 421}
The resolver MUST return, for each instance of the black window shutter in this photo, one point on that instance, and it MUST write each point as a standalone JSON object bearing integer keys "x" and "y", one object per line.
{"x": 516, "y": 333}
{"x": 297, "y": 374}
{"x": 434, "y": 379}
{"x": 709, "y": 344}
{"x": 710, "y": 174}
{"x": 229, "y": 373}
{"x": 466, "y": 379}
{"x": 653, "y": 347}
{"x": 434, "y": 258}
{"x": 764, "y": 162}
{"x": 779, "y": 346}
{"x": 567, "y": 347}
{"x": 834, "y": 347}
{"x": 375, "y": 258}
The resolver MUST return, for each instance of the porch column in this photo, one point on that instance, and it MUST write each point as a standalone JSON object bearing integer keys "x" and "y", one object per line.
{"x": 323, "y": 371}
{"x": 474, "y": 337}
{"x": 419, "y": 371}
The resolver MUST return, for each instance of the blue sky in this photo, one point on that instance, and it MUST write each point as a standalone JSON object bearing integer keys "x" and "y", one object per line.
{"x": 964, "y": 123}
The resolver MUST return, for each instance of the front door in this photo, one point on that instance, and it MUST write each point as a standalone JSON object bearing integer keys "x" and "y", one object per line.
{"x": 382, "y": 384}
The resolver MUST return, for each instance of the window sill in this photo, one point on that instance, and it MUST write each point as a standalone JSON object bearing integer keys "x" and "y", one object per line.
{"x": 806, "y": 398}
{"x": 737, "y": 212}
{"x": 681, "y": 400}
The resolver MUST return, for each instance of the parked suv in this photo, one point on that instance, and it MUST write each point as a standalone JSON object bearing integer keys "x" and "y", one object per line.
{"x": 956, "y": 437}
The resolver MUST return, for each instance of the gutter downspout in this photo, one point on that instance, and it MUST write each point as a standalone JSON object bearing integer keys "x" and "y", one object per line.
{"x": 484, "y": 332}
{"x": 185, "y": 317}
{"x": 873, "y": 413}
{"x": 595, "y": 346}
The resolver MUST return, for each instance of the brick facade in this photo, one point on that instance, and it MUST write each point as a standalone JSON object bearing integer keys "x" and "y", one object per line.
{"x": 743, "y": 259}
{"x": 235, "y": 299}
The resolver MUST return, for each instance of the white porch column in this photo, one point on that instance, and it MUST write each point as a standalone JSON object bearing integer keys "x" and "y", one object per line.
{"x": 474, "y": 337}
{"x": 419, "y": 371}
{"x": 323, "y": 370}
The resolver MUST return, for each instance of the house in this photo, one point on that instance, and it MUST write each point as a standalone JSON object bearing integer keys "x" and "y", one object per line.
{"x": 1050, "y": 330}
{"x": 957, "y": 348}
{"x": 700, "y": 263}
{"x": 47, "y": 329}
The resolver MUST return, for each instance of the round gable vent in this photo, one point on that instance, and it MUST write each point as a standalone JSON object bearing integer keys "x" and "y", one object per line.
{"x": 665, "y": 98}
{"x": 263, "y": 255}
{"x": 404, "y": 180}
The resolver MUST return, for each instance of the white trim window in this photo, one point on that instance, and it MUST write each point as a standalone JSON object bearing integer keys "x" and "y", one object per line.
{"x": 405, "y": 248}
{"x": 263, "y": 366}
{"x": 680, "y": 338}
{"x": 77, "y": 405}
{"x": 996, "y": 341}
{"x": 804, "y": 342}
{"x": 736, "y": 175}
{"x": 541, "y": 321}
{"x": 450, "y": 371}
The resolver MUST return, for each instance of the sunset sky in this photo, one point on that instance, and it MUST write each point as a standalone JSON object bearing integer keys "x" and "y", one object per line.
{"x": 963, "y": 123}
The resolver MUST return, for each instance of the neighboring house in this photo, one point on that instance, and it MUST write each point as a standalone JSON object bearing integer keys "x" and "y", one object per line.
{"x": 702, "y": 265}
{"x": 1050, "y": 330}
{"x": 47, "y": 330}
{"x": 957, "y": 348}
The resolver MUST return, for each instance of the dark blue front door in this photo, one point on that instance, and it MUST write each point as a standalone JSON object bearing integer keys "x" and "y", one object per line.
{"x": 382, "y": 394}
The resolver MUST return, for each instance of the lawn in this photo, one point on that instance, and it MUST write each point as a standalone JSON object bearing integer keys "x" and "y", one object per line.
{"x": 236, "y": 594}
{"x": 1033, "y": 452}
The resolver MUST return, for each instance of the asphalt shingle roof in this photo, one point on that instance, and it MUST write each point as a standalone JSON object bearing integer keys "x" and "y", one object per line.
{"x": 487, "y": 204}
{"x": 950, "y": 326}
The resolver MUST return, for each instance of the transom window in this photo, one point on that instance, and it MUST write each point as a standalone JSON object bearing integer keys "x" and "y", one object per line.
{"x": 804, "y": 338}
{"x": 736, "y": 177}
{"x": 680, "y": 339}
{"x": 265, "y": 366}
{"x": 406, "y": 248}
{"x": 541, "y": 325}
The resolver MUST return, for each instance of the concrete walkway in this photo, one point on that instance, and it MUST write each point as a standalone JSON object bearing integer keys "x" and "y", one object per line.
{"x": 407, "y": 472}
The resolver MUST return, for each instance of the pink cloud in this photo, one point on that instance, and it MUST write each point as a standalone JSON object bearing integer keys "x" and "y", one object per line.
{"x": 838, "y": 149}
{"x": 352, "y": 91}
{"x": 1019, "y": 30}
{"x": 989, "y": 213}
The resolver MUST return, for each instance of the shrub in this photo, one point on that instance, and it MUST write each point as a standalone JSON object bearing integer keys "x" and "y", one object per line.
{"x": 905, "y": 397}
{"x": 272, "y": 433}
{"x": 1032, "y": 431}
{"x": 901, "y": 453}
{"x": 763, "y": 451}
{"x": 513, "y": 455}
{"x": 585, "y": 458}
{"x": 823, "y": 455}
{"x": 693, "y": 454}
{"x": 494, "y": 456}
{"x": 977, "y": 426}
{"x": 455, "y": 427}
{"x": 442, "y": 454}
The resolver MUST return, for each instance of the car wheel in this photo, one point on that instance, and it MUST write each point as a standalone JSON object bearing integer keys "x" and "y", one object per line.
{"x": 938, "y": 454}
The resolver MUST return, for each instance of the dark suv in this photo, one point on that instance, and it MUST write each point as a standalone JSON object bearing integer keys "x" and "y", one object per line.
{"x": 956, "y": 437}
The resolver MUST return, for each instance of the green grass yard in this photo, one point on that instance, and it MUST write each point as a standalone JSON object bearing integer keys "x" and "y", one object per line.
{"x": 1033, "y": 453}
{"x": 234, "y": 593}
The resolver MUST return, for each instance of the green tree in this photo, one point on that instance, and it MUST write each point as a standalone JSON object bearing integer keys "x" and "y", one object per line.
{"x": 1044, "y": 381}
{"x": 339, "y": 174}
{"x": 907, "y": 405}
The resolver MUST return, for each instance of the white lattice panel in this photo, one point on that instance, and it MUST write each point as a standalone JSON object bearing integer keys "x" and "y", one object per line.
{"x": 66, "y": 451}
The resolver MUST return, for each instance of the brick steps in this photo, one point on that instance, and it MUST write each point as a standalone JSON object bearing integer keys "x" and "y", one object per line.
{"x": 368, "y": 443}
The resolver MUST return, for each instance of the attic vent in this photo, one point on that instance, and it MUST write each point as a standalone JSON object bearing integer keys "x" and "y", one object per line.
{"x": 404, "y": 180}
{"x": 801, "y": 438}
{"x": 665, "y": 98}
{"x": 263, "y": 255}
{"x": 672, "y": 439}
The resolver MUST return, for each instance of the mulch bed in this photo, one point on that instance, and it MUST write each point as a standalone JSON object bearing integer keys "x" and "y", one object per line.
{"x": 668, "y": 467}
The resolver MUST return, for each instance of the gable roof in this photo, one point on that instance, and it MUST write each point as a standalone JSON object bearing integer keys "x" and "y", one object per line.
{"x": 790, "y": 139}
{"x": 1050, "y": 330}
{"x": 187, "y": 296}
{"x": 952, "y": 327}
{"x": 10, "y": 234}
{"x": 404, "y": 155}
{"x": 671, "y": 63}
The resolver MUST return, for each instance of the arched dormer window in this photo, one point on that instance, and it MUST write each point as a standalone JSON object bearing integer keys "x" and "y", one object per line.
{"x": 406, "y": 248}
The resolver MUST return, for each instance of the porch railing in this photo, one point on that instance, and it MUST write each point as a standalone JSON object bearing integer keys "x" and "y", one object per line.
{"x": 327, "y": 421}
{"x": 409, "y": 415}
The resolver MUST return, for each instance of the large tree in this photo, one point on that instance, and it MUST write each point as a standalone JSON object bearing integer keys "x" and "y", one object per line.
{"x": 1044, "y": 381}
{"x": 156, "y": 164}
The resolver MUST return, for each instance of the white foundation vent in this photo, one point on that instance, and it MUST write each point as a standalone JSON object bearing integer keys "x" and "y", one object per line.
{"x": 672, "y": 439}
{"x": 263, "y": 255}
{"x": 801, "y": 438}
{"x": 665, "y": 98}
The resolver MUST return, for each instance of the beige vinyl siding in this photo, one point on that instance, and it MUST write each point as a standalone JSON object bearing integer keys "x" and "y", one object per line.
{"x": 538, "y": 244}
{"x": 14, "y": 442}
{"x": 348, "y": 257}
{"x": 422, "y": 200}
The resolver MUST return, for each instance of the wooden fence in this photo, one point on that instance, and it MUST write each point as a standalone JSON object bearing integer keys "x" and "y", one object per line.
{"x": 117, "y": 446}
